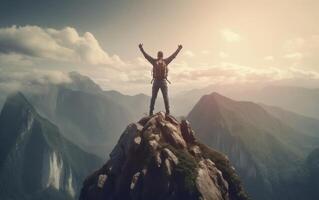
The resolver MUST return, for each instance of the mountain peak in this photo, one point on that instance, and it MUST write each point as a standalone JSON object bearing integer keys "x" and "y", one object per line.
{"x": 216, "y": 94}
{"x": 214, "y": 100}
{"x": 17, "y": 98}
{"x": 160, "y": 158}
{"x": 217, "y": 97}
{"x": 36, "y": 161}
{"x": 82, "y": 82}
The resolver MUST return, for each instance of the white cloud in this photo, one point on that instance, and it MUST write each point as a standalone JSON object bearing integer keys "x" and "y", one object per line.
{"x": 295, "y": 56}
{"x": 269, "y": 58}
{"x": 14, "y": 59}
{"x": 141, "y": 62}
{"x": 223, "y": 55}
{"x": 12, "y": 80}
{"x": 308, "y": 44}
{"x": 205, "y": 52}
{"x": 61, "y": 45}
{"x": 230, "y": 73}
{"x": 298, "y": 73}
{"x": 180, "y": 64}
{"x": 224, "y": 73}
{"x": 230, "y": 36}
{"x": 294, "y": 44}
{"x": 302, "y": 51}
{"x": 189, "y": 53}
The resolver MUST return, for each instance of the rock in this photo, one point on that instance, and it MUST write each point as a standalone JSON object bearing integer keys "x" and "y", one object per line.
{"x": 217, "y": 176}
{"x": 134, "y": 180}
{"x": 173, "y": 136}
{"x": 168, "y": 167}
{"x": 153, "y": 145}
{"x": 137, "y": 140}
{"x": 151, "y": 122}
{"x": 168, "y": 154}
{"x": 136, "y": 185}
{"x": 161, "y": 115}
{"x": 187, "y": 132}
{"x": 121, "y": 150}
{"x": 172, "y": 120}
{"x": 155, "y": 137}
{"x": 195, "y": 151}
{"x": 208, "y": 188}
{"x": 159, "y": 158}
{"x": 125, "y": 141}
{"x": 144, "y": 120}
{"x": 101, "y": 180}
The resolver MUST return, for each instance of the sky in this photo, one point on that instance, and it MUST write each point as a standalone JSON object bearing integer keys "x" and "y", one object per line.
{"x": 239, "y": 42}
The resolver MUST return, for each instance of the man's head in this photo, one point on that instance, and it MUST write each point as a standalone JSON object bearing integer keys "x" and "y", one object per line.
{"x": 160, "y": 55}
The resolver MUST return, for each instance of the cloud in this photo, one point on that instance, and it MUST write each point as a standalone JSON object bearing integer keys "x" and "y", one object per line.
{"x": 31, "y": 79}
{"x": 61, "y": 45}
{"x": 295, "y": 56}
{"x": 269, "y": 58}
{"x": 298, "y": 73}
{"x": 14, "y": 59}
{"x": 141, "y": 62}
{"x": 230, "y": 36}
{"x": 223, "y": 55}
{"x": 205, "y": 52}
{"x": 294, "y": 44}
{"x": 306, "y": 44}
{"x": 189, "y": 53}
{"x": 230, "y": 73}
{"x": 223, "y": 73}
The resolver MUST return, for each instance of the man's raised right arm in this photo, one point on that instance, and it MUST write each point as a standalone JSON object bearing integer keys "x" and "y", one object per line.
{"x": 148, "y": 57}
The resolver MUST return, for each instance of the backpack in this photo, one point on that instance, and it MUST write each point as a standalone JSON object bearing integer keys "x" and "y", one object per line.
{"x": 160, "y": 70}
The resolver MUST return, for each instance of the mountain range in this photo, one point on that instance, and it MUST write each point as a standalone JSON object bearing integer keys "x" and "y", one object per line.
{"x": 265, "y": 146}
{"x": 272, "y": 144}
{"x": 36, "y": 161}
{"x": 86, "y": 114}
{"x": 296, "y": 99}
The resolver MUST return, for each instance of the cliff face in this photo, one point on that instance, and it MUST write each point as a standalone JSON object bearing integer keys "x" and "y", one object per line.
{"x": 160, "y": 158}
{"x": 36, "y": 161}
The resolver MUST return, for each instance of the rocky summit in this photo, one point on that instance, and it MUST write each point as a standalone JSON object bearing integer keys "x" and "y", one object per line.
{"x": 159, "y": 158}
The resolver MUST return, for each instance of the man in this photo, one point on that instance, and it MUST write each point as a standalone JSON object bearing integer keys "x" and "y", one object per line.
{"x": 159, "y": 72}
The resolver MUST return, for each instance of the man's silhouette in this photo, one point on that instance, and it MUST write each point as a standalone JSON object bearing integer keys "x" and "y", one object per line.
{"x": 160, "y": 72}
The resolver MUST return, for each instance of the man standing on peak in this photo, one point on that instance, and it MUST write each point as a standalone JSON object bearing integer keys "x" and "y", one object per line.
{"x": 159, "y": 72}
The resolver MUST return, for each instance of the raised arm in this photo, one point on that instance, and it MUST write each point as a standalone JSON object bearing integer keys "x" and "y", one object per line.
{"x": 147, "y": 57}
{"x": 169, "y": 59}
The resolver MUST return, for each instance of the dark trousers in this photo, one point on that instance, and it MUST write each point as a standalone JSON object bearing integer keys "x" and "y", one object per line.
{"x": 159, "y": 84}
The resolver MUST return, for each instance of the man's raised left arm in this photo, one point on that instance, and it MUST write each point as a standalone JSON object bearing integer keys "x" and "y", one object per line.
{"x": 169, "y": 59}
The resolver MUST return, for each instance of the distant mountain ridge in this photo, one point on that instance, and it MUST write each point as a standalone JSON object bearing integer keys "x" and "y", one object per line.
{"x": 301, "y": 123}
{"x": 93, "y": 118}
{"x": 36, "y": 161}
{"x": 273, "y": 149}
{"x": 264, "y": 149}
{"x": 296, "y": 99}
